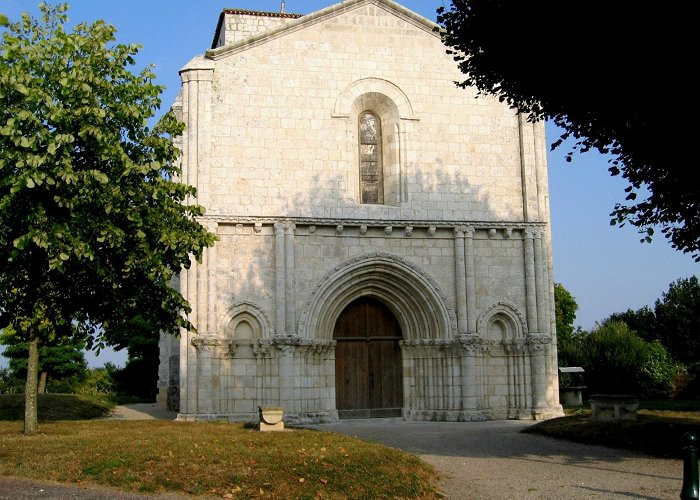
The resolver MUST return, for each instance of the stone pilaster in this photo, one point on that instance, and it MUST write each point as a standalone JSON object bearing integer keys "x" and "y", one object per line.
{"x": 471, "y": 279}
{"x": 460, "y": 280}
{"x": 280, "y": 281}
{"x": 530, "y": 281}
{"x": 290, "y": 301}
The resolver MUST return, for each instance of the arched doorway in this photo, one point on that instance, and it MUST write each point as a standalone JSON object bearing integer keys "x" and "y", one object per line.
{"x": 368, "y": 373}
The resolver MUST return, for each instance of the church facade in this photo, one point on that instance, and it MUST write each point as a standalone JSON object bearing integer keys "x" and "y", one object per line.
{"x": 383, "y": 235}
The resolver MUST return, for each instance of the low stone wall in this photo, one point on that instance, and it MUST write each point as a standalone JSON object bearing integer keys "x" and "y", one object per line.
{"x": 614, "y": 406}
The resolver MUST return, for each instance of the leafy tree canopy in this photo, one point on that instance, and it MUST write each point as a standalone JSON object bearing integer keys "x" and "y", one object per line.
{"x": 601, "y": 71}
{"x": 678, "y": 319}
{"x": 92, "y": 226}
{"x": 565, "y": 308}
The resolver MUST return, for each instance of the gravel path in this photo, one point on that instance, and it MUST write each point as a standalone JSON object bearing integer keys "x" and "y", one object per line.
{"x": 493, "y": 460}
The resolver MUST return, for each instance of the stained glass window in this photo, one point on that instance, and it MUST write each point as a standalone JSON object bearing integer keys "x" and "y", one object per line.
{"x": 371, "y": 181}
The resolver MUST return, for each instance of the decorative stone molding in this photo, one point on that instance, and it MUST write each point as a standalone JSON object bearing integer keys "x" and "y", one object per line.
{"x": 257, "y": 227}
{"x": 348, "y": 96}
{"x": 246, "y": 306}
{"x": 472, "y": 344}
{"x": 388, "y": 230}
{"x": 538, "y": 344}
{"x": 431, "y": 225}
{"x": 505, "y": 309}
{"x": 417, "y": 300}
{"x": 408, "y": 232}
{"x": 363, "y": 229}
{"x": 339, "y": 229}
{"x": 213, "y": 346}
{"x": 514, "y": 346}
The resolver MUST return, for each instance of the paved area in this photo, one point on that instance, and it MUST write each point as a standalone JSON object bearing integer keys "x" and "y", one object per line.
{"x": 493, "y": 460}
{"x": 142, "y": 411}
{"x": 477, "y": 460}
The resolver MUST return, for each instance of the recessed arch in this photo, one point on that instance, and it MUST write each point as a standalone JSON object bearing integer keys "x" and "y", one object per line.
{"x": 366, "y": 88}
{"x": 252, "y": 314}
{"x": 504, "y": 317}
{"x": 417, "y": 301}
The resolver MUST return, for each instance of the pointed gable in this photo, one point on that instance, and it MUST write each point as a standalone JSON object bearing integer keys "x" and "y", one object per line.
{"x": 248, "y": 28}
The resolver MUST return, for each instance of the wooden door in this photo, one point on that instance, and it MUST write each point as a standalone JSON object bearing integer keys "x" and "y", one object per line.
{"x": 368, "y": 373}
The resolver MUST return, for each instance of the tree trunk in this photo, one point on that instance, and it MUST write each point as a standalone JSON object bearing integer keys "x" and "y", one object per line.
{"x": 30, "y": 389}
{"x": 42, "y": 383}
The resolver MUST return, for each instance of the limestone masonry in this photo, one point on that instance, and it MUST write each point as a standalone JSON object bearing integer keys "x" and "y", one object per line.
{"x": 384, "y": 244}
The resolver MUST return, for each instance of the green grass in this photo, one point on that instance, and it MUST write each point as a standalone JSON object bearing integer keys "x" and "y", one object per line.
{"x": 656, "y": 432}
{"x": 54, "y": 407}
{"x": 214, "y": 458}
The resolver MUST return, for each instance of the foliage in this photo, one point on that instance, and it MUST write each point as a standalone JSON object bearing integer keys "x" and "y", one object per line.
{"x": 92, "y": 226}
{"x": 54, "y": 407}
{"x": 642, "y": 321}
{"x": 62, "y": 359}
{"x": 138, "y": 380}
{"x": 99, "y": 382}
{"x": 565, "y": 308}
{"x": 677, "y": 315}
{"x": 216, "y": 460}
{"x": 600, "y": 85}
{"x": 618, "y": 361}
{"x": 9, "y": 384}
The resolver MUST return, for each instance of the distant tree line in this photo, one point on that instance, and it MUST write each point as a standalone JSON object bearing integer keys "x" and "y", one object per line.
{"x": 652, "y": 352}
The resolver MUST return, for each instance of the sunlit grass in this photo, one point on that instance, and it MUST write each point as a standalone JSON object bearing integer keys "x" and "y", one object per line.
{"x": 213, "y": 459}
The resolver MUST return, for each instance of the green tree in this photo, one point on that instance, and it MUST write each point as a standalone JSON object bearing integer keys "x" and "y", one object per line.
{"x": 92, "y": 226}
{"x": 565, "y": 308}
{"x": 642, "y": 321}
{"x": 59, "y": 361}
{"x": 617, "y": 360}
{"x": 139, "y": 378}
{"x": 594, "y": 70}
{"x": 677, "y": 315}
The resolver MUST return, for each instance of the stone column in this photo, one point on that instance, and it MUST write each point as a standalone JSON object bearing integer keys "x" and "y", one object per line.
{"x": 471, "y": 279}
{"x": 530, "y": 281}
{"x": 211, "y": 276}
{"x": 470, "y": 348}
{"x": 286, "y": 376}
{"x": 460, "y": 281}
{"x": 290, "y": 296}
{"x": 197, "y": 77}
{"x": 280, "y": 281}
{"x": 538, "y": 346}
{"x": 540, "y": 291}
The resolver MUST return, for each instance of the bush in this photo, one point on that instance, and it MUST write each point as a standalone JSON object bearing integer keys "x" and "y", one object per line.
{"x": 618, "y": 361}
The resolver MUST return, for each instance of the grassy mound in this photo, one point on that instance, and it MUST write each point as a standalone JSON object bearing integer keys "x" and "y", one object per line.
{"x": 655, "y": 432}
{"x": 55, "y": 407}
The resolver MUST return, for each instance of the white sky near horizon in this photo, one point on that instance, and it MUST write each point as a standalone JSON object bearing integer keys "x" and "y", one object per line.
{"x": 605, "y": 268}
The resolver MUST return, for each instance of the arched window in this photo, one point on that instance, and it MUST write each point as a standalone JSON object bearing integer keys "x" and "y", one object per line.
{"x": 371, "y": 178}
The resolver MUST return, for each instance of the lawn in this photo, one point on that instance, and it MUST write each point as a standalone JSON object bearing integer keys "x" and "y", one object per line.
{"x": 55, "y": 407}
{"x": 213, "y": 458}
{"x": 658, "y": 430}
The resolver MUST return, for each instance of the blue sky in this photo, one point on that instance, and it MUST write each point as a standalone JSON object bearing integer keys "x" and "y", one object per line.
{"x": 605, "y": 268}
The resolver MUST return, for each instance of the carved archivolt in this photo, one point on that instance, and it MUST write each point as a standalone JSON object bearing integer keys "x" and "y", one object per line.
{"x": 418, "y": 302}
{"x": 506, "y": 313}
{"x": 249, "y": 309}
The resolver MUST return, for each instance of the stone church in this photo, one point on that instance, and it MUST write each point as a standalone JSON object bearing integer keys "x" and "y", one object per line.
{"x": 383, "y": 235}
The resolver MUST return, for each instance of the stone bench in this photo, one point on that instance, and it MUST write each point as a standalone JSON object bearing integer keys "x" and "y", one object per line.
{"x": 614, "y": 406}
